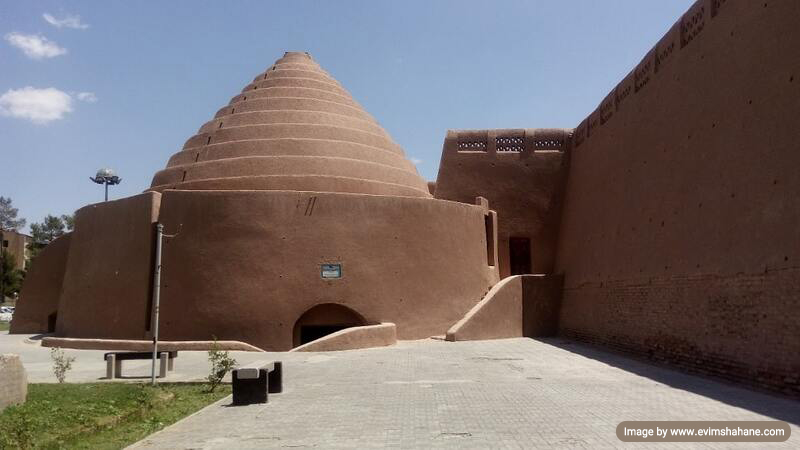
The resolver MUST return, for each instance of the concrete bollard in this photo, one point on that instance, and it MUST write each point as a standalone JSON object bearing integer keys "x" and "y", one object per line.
{"x": 275, "y": 378}
{"x": 110, "y": 367}
{"x": 163, "y": 359}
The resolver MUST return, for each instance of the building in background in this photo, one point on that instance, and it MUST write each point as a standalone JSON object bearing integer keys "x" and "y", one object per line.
{"x": 16, "y": 244}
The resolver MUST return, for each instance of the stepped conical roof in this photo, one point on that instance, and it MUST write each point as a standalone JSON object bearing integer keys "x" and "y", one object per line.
{"x": 293, "y": 128}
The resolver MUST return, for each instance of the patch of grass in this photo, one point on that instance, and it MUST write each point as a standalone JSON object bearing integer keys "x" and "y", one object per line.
{"x": 99, "y": 415}
{"x": 4, "y": 326}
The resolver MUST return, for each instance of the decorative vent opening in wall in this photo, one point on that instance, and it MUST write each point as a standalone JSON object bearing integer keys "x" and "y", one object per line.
{"x": 547, "y": 144}
{"x": 472, "y": 146}
{"x": 510, "y": 144}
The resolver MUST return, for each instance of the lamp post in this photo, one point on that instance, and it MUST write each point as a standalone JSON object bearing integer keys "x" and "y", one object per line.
{"x": 106, "y": 177}
{"x": 2, "y": 266}
{"x": 156, "y": 298}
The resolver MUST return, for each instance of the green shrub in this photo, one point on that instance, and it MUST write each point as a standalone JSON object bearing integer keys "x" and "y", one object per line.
{"x": 61, "y": 363}
{"x": 221, "y": 364}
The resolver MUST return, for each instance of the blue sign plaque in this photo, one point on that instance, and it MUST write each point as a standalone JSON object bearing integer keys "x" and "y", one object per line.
{"x": 331, "y": 270}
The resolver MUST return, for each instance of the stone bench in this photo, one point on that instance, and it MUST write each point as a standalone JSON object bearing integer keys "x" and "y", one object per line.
{"x": 253, "y": 382}
{"x": 114, "y": 362}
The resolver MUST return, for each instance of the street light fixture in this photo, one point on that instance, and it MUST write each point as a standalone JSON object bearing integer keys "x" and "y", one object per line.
{"x": 106, "y": 177}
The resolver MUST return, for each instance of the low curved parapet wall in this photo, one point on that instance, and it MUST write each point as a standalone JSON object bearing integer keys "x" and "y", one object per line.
{"x": 351, "y": 338}
{"x": 14, "y": 388}
{"x": 144, "y": 346}
{"x": 497, "y": 316}
{"x": 520, "y": 305}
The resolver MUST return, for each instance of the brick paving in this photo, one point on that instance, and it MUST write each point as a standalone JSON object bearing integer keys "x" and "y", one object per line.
{"x": 512, "y": 393}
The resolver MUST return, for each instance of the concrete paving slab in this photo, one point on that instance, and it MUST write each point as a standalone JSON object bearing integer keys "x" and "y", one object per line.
{"x": 510, "y": 393}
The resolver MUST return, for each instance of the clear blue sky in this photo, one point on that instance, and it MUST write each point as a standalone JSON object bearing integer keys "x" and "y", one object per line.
{"x": 141, "y": 77}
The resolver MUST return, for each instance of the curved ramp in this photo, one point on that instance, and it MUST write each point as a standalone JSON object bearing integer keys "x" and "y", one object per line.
{"x": 351, "y": 338}
{"x": 517, "y": 306}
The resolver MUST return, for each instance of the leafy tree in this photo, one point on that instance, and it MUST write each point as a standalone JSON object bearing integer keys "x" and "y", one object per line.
{"x": 8, "y": 216}
{"x": 12, "y": 277}
{"x": 46, "y": 232}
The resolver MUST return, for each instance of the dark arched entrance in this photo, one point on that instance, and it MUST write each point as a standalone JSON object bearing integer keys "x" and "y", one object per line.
{"x": 324, "y": 319}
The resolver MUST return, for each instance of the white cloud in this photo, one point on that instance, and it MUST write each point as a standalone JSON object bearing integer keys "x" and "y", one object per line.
{"x": 87, "y": 97}
{"x": 34, "y": 46}
{"x": 37, "y": 105}
{"x": 69, "y": 21}
{"x": 416, "y": 160}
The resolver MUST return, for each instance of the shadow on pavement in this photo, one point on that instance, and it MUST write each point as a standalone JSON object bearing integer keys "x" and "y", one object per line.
{"x": 38, "y": 337}
{"x": 768, "y": 404}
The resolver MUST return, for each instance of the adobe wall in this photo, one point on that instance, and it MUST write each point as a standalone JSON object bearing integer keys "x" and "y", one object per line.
{"x": 140, "y": 345}
{"x": 521, "y": 173}
{"x": 498, "y": 315}
{"x": 41, "y": 291}
{"x": 679, "y": 237}
{"x": 108, "y": 280}
{"x": 247, "y": 263}
{"x": 368, "y": 336}
{"x": 541, "y": 304}
{"x": 519, "y": 305}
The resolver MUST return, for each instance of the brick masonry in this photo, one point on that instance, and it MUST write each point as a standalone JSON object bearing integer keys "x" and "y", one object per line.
{"x": 734, "y": 327}
{"x": 679, "y": 239}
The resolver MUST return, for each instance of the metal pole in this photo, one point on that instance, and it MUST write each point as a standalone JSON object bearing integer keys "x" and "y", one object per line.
{"x": 2, "y": 270}
{"x": 156, "y": 297}
{"x": 106, "y": 184}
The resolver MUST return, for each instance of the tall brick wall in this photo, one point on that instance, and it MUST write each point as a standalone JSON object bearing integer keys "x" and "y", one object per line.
{"x": 680, "y": 237}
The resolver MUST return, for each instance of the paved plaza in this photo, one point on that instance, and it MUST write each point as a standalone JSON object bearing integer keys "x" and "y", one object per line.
{"x": 512, "y": 393}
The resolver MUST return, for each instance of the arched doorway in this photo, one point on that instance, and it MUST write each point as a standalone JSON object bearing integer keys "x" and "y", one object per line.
{"x": 324, "y": 319}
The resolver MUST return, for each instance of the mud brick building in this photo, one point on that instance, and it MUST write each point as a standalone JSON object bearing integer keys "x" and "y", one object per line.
{"x": 667, "y": 223}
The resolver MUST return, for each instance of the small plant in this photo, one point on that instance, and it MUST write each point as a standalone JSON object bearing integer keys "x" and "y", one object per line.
{"x": 221, "y": 364}
{"x": 61, "y": 363}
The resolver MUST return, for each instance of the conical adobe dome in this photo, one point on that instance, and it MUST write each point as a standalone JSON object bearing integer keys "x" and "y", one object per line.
{"x": 293, "y": 128}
